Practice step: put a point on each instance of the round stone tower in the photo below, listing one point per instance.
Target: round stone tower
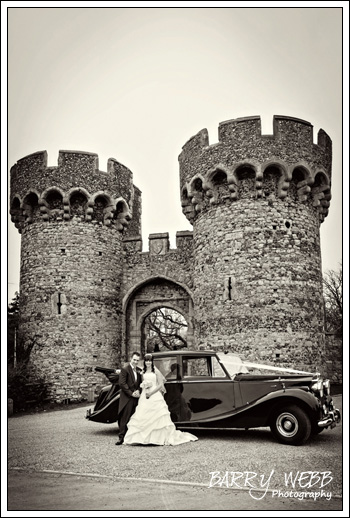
(256, 203)
(71, 218)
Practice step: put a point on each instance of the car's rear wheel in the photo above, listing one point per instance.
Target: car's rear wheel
(291, 425)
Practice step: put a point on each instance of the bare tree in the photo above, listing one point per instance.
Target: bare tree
(24, 385)
(167, 329)
(25, 347)
(333, 296)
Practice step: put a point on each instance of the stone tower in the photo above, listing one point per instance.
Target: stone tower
(256, 203)
(71, 219)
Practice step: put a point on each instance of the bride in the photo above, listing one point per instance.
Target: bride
(151, 422)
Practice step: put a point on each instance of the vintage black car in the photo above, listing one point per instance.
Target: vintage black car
(214, 391)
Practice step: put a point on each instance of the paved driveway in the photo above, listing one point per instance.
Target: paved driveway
(54, 492)
(58, 460)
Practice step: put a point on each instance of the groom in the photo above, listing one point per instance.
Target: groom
(129, 382)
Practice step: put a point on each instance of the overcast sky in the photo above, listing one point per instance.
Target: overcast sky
(136, 83)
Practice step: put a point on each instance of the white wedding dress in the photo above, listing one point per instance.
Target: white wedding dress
(151, 422)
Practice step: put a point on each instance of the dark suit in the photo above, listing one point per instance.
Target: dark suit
(127, 403)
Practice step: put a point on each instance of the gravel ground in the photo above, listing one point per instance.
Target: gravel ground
(66, 441)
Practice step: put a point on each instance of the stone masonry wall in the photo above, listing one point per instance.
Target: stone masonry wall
(70, 297)
(175, 264)
(334, 358)
(255, 282)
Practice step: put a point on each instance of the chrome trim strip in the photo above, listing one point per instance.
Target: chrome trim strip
(210, 380)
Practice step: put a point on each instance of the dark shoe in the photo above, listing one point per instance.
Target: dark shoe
(119, 442)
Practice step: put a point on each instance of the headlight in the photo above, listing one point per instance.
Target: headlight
(327, 387)
(318, 387)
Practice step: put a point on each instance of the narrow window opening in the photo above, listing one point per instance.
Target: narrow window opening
(59, 304)
(100, 253)
(228, 288)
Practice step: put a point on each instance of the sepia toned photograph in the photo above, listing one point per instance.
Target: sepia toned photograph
(174, 258)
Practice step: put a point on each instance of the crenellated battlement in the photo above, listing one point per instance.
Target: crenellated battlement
(246, 163)
(75, 188)
(73, 167)
(159, 244)
(246, 130)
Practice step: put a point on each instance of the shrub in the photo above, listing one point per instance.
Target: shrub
(26, 388)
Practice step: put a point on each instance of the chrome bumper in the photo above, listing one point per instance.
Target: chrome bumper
(331, 420)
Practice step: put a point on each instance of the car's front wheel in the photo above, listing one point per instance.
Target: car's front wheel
(291, 425)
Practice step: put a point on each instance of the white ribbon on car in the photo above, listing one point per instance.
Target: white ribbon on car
(270, 367)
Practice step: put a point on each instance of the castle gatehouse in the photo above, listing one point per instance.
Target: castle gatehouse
(247, 278)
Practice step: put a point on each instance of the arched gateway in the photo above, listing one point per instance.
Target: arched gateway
(144, 298)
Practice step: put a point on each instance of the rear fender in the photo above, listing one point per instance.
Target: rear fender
(108, 413)
(103, 397)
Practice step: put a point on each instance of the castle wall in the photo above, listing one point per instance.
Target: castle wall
(134, 226)
(334, 358)
(161, 260)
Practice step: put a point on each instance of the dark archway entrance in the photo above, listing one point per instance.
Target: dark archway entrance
(148, 296)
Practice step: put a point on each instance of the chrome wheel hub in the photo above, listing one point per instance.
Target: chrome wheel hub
(287, 424)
